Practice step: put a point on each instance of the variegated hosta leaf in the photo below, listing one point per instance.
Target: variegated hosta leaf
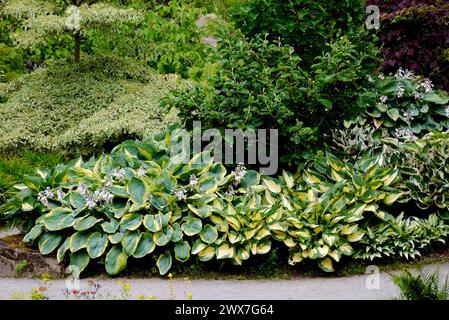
(116, 260)
(164, 262)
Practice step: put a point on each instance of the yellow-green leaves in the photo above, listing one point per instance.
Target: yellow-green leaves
(116, 260)
(131, 221)
(164, 262)
(326, 265)
(182, 251)
(137, 190)
(49, 242)
(97, 244)
(146, 246)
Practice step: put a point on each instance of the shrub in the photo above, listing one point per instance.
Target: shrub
(83, 108)
(414, 35)
(168, 39)
(304, 25)
(261, 85)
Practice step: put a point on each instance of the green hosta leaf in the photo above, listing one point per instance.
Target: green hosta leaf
(58, 219)
(78, 240)
(207, 254)
(138, 192)
(198, 246)
(393, 114)
(163, 237)
(86, 223)
(436, 97)
(146, 245)
(182, 251)
(346, 249)
(80, 260)
(216, 171)
(192, 227)
(392, 198)
(116, 260)
(35, 232)
(209, 234)
(263, 247)
(110, 226)
(225, 252)
(159, 200)
(62, 250)
(251, 178)
(207, 184)
(153, 222)
(326, 265)
(120, 208)
(356, 236)
(177, 233)
(49, 242)
(202, 212)
(116, 237)
(130, 242)
(164, 262)
(131, 221)
(288, 178)
(272, 186)
(97, 244)
(77, 200)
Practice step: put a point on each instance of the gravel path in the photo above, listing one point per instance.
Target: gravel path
(363, 287)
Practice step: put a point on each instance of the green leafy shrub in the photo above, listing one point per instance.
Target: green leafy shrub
(84, 108)
(305, 25)
(405, 104)
(424, 286)
(168, 39)
(261, 85)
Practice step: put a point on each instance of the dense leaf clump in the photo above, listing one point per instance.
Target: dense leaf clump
(100, 102)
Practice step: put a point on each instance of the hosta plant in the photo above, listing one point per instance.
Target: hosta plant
(401, 236)
(405, 104)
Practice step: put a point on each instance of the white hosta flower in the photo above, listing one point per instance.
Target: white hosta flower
(239, 173)
(108, 183)
(193, 181)
(446, 112)
(91, 203)
(405, 133)
(180, 193)
(381, 77)
(408, 115)
(103, 194)
(405, 74)
(142, 171)
(401, 91)
(42, 198)
(418, 96)
(427, 85)
(60, 195)
(82, 189)
(118, 174)
(383, 99)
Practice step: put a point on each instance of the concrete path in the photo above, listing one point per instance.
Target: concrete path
(363, 287)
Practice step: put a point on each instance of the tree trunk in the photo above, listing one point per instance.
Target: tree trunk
(77, 47)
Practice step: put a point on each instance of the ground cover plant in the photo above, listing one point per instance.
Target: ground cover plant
(83, 108)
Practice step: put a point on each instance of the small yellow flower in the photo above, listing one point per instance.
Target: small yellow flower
(141, 297)
(45, 277)
(152, 297)
(170, 275)
(127, 286)
(120, 282)
(189, 295)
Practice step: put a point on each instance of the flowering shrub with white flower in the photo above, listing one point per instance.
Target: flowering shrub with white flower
(405, 104)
